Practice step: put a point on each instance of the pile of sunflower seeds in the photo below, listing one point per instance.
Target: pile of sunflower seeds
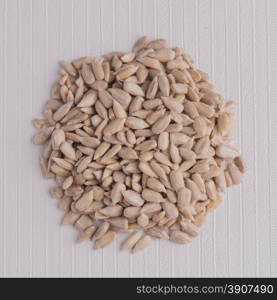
(139, 143)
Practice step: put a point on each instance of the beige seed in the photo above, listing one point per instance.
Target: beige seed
(211, 189)
(116, 63)
(147, 146)
(40, 123)
(119, 222)
(74, 191)
(195, 192)
(163, 54)
(152, 196)
(101, 230)
(121, 96)
(105, 98)
(136, 123)
(177, 64)
(67, 182)
(197, 178)
(176, 179)
(152, 88)
(83, 223)
(97, 69)
(179, 76)
(79, 94)
(132, 239)
(142, 243)
(101, 110)
(112, 152)
(112, 211)
(228, 179)
(203, 109)
(62, 111)
(155, 185)
(57, 138)
(56, 192)
(143, 220)
(84, 164)
(170, 209)
(43, 135)
(173, 104)
(70, 115)
(141, 43)
(178, 138)
(90, 141)
(131, 137)
(151, 63)
(163, 141)
(126, 71)
(116, 193)
(141, 74)
(101, 150)
(88, 100)
(201, 166)
(200, 126)
(118, 110)
(163, 85)
(128, 153)
(179, 88)
(174, 154)
(106, 70)
(161, 124)
(146, 156)
(63, 163)
(224, 124)
(85, 201)
(158, 233)
(240, 163)
(105, 240)
(142, 134)
(155, 116)
(191, 110)
(131, 212)
(189, 228)
(152, 104)
(86, 150)
(200, 219)
(133, 89)
(68, 67)
(49, 116)
(87, 74)
(67, 149)
(214, 204)
(220, 182)
(152, 170)
(149, 208)
(87, 234)
(179, 237)
(193, 95)
(70, 218)
(187, 154)
(183, 197)
(213, 172)
(133, 198)
(202, 145)
(114, 126)
(226, 151)
(235, 174)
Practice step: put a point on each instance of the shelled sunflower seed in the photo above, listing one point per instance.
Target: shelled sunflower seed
(139, 143)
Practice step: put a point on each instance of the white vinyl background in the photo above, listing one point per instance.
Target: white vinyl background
(235, 41)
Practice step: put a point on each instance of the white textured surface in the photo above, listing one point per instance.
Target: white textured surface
(234, 41)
